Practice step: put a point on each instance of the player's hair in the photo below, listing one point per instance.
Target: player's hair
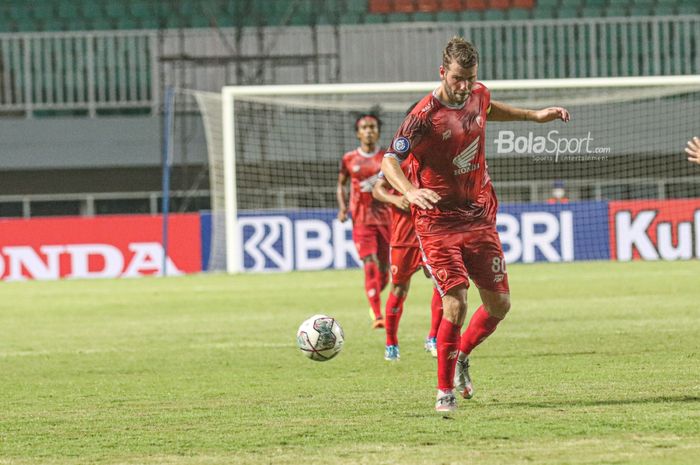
(368, 115)
(460, 51)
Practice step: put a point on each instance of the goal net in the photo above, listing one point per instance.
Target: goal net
(613, 183)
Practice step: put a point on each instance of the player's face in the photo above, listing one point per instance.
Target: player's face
(368, 131)
(457, 82)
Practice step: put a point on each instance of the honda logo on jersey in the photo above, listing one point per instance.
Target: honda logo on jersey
(463, 161)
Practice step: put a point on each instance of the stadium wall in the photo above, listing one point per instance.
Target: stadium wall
(130, 245)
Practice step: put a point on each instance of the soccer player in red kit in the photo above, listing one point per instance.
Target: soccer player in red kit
(405, 261)
(455, 218)
(370, 218)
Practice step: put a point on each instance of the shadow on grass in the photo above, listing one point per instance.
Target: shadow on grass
(606, 402)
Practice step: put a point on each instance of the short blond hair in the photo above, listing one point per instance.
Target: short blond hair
(460, 51)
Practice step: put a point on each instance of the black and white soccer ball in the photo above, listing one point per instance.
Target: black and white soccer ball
(320, 338)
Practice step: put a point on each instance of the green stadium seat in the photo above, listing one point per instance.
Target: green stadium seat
(76, 24)
(544, 12)
(519, 13)
(115, 10)
(423, 16)
(128, 22)
(91, 9)
(494, 15)
(641, 10)
(142, 9)
(547, 4)
(616, 11)
(398, 17)
(43, 10)
(67, 10)
(102, 23)
(567, 12)
(52, 24)
(200, 20)
(350, 18)
(371, 18)
(664, 10)
(592, 11)
(447, 16)
(357, 6)
(688, 9)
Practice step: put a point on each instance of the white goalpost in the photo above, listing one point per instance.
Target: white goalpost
(277, 148)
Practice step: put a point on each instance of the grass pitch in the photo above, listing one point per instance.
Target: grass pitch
(597, 363)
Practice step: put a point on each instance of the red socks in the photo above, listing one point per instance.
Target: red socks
(393, 312)
(447, 342)
(435, 313)
(480, 327)
(372, 287)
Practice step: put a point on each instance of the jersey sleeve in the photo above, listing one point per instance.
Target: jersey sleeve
(408, 137)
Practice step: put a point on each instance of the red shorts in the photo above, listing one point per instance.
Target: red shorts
(455, 257)
(404, 262)
(372, 239)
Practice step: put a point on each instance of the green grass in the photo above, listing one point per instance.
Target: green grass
(597, 363)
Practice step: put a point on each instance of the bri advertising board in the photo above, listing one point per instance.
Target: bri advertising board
(316, 240)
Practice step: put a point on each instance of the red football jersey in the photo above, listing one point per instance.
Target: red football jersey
(448, 144)
(362, 168)
(403, 234)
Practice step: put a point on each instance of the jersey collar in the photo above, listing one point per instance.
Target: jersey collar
(368, 155)
(445, 104)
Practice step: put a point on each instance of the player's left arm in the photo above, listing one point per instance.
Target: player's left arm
(693, 150)
(380, 191)
(500, 111)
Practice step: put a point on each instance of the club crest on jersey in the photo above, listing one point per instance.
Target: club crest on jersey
(463, 161)
(402, 145)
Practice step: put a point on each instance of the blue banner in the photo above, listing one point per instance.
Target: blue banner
(313, 239)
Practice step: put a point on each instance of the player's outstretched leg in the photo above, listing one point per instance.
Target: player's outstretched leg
(482, 324)
(435, 317)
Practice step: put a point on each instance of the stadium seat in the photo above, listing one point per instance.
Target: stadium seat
(423, 16)
(398, 17)
(519, 13)
(356, 6)
(664, 10)
(447, 16)
(371, 18)
(616, 11)
(91, 9)
(688, 9)
(592, 11)
(567, 12)
(142, 9)
(494, 15)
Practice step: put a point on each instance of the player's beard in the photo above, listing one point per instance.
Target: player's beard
(455, 98)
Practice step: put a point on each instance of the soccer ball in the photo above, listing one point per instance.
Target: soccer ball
(320, 338)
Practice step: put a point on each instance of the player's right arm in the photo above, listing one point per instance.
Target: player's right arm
(693, 150)
(422, 198)
(380, 191)
(340, 194)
